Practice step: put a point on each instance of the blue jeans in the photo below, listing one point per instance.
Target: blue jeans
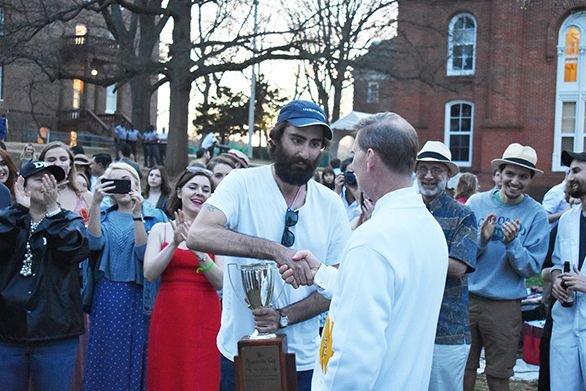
(49, 364)
(227, 376)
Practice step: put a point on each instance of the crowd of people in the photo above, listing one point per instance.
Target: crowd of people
(391, 277)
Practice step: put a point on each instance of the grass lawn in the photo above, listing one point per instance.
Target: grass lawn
(515, 385)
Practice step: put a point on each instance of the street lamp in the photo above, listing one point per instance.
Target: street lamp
(252, 84)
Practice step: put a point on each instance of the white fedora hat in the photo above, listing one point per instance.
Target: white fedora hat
(519, 155)
(438, 152)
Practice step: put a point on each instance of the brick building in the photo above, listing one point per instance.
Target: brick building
(57, 82)
(481, 74)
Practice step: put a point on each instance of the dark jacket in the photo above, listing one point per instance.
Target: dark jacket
(47, 305)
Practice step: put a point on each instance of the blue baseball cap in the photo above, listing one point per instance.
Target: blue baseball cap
(302, 113)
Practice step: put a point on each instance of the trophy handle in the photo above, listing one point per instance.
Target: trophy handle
(280, 284)
(236, 291)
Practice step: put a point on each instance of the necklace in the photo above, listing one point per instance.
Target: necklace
(27, 263)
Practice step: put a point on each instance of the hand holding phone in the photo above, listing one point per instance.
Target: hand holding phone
(121, 186)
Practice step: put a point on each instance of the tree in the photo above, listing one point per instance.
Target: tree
(227, 112)
(220, 42)
(334, 34)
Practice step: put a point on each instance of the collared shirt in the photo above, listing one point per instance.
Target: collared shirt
(386, 299)
(352, 210)
(459, 225)
(120, 132)
(133, 135)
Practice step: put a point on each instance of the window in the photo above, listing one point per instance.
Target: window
(80, 34)
(570, 109)
(111, 99)
(77, 94)
(458, 127)
(461, 45)
(372, 96)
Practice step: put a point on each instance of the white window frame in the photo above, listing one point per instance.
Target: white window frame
(448, 133)
(372, 93)
(451, 71)
(570, 91)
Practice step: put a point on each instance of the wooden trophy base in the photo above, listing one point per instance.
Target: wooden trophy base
(264, 365)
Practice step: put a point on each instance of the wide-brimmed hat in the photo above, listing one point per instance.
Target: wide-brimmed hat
(438, 152)
(36, 166)
(518, 155)
(81, 160)
(302, 113)
(567, 157)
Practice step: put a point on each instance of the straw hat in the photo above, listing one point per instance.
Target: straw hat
(518, 155)
(438, 152)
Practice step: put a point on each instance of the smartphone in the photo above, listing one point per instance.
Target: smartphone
(122, 186)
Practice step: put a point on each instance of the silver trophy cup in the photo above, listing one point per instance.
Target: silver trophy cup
(258, 283)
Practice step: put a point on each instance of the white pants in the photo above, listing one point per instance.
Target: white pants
(566, 361)
(448, 366)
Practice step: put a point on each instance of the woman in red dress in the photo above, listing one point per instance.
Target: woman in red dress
(182, 352)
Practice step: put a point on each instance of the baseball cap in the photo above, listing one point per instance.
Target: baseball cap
(568, 156)
(302, 113)
(36, 166)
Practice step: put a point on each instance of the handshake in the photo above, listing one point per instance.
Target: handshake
(300, 268)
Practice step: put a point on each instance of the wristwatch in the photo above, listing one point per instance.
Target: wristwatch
(284, 320)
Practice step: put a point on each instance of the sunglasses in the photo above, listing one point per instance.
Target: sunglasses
(291, 218)
(199, 170)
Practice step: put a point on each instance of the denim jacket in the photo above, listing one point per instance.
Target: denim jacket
(151, 217)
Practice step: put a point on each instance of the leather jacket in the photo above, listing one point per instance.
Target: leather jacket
(46, 305)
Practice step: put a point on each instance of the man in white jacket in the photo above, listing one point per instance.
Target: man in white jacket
(386, 296)
(568, 339)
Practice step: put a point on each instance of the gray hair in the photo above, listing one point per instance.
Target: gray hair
(392, 137)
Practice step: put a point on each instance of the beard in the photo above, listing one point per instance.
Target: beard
(435, 191)
(575, 189)
(286, 169)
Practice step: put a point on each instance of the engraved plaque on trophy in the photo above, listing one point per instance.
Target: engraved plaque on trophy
(263, 363)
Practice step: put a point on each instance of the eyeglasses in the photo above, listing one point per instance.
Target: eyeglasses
(435, 171)
(199, 170)
(291, 218)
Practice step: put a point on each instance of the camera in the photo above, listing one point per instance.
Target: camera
(350, 178)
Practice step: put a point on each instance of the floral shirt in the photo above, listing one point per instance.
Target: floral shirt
(459, 225)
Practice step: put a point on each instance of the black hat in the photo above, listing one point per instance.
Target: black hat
(567, 157)
(36, 166)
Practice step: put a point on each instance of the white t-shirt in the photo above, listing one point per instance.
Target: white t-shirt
(253, 205)
(387, 296)
(209, 140)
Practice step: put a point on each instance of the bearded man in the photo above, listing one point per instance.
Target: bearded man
(270, 212)
(568, 343)
(452, 339)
